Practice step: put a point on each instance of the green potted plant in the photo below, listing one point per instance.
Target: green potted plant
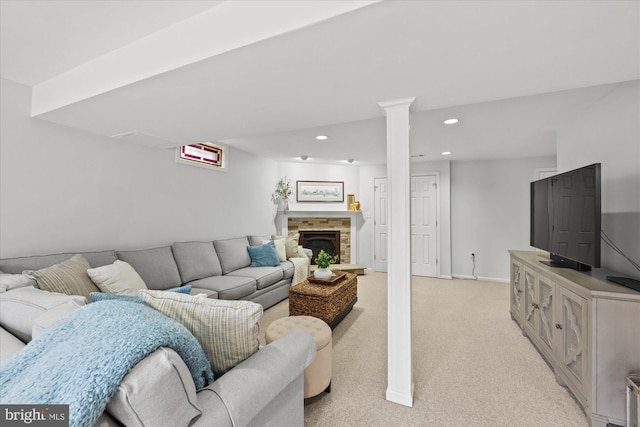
(323, 260)
(282, 192)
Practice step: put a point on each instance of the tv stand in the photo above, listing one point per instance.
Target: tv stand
(586, 329)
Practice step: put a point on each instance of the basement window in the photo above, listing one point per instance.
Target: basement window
(204, 154)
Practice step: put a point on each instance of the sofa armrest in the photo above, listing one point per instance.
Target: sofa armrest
(250, 386)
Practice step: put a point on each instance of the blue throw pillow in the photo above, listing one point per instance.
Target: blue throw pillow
(263, 256)
(103, 296)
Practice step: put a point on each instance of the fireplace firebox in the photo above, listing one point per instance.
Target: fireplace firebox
(317, 240)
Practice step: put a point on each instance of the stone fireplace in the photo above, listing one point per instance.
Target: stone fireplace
(322, 221)
(341, 225)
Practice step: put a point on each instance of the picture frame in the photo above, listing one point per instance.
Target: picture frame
(320, 191)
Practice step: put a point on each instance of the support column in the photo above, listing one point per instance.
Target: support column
(400, 360)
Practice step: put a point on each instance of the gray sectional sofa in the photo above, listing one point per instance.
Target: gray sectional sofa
(265, 389)
(220, 269)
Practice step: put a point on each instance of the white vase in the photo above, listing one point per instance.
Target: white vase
(322, 274)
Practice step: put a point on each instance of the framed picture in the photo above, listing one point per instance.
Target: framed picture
(320, 191)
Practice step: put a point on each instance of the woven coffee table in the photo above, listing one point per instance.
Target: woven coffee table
(329, 302)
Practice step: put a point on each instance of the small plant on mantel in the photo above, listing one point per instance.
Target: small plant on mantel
(282, 192)
(324, 260)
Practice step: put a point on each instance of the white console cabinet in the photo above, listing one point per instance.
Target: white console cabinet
(586, 328)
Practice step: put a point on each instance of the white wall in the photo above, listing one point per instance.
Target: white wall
(307, 171)
(66, 190)
(609, 133)
(490, 213)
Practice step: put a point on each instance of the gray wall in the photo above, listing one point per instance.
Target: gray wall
(66, 190)
(490, 213)
(608, 132)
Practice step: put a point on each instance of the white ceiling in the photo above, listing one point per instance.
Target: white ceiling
(513, 72)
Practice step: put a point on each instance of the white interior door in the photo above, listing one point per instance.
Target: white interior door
(381, 226)
(423, 225)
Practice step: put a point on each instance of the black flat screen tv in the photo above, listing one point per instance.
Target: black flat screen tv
(565, 218)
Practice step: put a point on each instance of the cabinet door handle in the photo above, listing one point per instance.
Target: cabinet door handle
(558, 326)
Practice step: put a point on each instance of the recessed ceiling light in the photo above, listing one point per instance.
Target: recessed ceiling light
(451, 121)
(304, 157)
(446, 153)
(322, 137)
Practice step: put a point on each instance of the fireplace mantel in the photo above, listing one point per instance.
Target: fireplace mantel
(282, 226)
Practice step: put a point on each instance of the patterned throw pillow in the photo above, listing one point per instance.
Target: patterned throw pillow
(69, 277)
(117, 278)
(227, 330)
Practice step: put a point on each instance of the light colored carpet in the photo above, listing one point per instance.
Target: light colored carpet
(471, 364)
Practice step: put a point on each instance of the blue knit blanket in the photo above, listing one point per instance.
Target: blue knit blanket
(81, 362)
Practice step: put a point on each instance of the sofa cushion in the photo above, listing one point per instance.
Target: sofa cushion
(233, 253)
(196, 260)
(52, 317)
(117, 278)
(19, 308)
(156, 266)
(263, 256)
(69, 277)
(227, 287)
(19, 264)
(258, 240)
(159, 391)
(264, 276)
(227, 330)
(13, 281)
(10, 345)
(287, 269)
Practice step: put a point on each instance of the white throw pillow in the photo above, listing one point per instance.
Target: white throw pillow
(117, 278)
(227, 330)
(13, 281)
(280, 248)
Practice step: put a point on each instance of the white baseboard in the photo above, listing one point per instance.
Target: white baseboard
(400, 398)
(484, 279)
(445, 277)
